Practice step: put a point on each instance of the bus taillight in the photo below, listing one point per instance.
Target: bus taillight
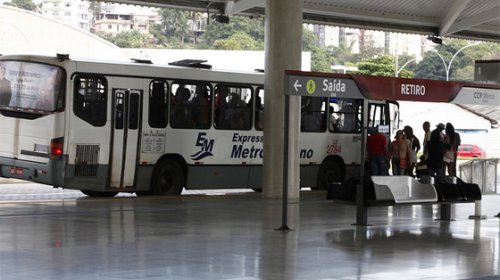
(56, 148)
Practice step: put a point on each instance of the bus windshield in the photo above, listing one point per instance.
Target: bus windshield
(27, 87)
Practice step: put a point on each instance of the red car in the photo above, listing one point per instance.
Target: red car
(469, 150)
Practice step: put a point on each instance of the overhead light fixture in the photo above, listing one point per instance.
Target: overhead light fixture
(435, 40)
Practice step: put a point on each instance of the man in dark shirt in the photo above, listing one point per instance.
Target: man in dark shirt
(376, 148)
(436, 148)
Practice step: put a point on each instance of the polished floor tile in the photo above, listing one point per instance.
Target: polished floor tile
(235, 237)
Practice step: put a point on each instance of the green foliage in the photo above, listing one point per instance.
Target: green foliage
(237, 24)
(382, 65)
(22, 4)
(130, 39)
(342, 54)
(237, 41)
(244, 33)
(462, 67)
(320, 57)
(226, 44)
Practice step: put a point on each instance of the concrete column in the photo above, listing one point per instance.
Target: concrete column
(283, 51)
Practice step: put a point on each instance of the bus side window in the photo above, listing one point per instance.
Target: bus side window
(90, 100)
(233, 107)
(348, 115)
(313, 114)
(190, 106)
(157, 116)
(202, 106)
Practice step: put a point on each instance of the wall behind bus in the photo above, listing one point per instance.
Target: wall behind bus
(25, 32)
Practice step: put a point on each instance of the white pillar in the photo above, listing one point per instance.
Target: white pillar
(283, 51)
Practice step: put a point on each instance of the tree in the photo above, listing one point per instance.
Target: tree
(381, 65)
(432, 67)
(237, 24)
(237, 41)
(22, 4)
(320, 58)
(342, 54)
(129, 39)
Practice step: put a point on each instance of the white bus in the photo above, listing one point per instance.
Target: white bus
(105, 128)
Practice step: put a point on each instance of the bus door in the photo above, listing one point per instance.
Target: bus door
(125, 111)
(384, 115)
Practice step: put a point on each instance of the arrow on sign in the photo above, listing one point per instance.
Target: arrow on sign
(296, 85)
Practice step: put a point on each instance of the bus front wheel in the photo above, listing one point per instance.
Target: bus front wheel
(329, 173)
(168, 178)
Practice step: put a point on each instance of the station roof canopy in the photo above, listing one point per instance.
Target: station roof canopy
(468, 19)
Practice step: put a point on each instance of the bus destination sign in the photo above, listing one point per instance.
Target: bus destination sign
(322, 87)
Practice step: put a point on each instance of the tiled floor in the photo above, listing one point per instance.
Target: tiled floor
(234, 237)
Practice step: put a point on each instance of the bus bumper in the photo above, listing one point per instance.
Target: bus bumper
(51, 173)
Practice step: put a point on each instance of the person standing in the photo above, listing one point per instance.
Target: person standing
(435, 148)
(451, 146)
(414, 145)
(399, 152)
(376, 148)
(427, 136)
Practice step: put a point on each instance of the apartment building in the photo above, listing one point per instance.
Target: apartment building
(117, 18)
(74, 13)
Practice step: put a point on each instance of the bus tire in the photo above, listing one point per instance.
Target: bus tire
(98, 194)
(329, 172)
(168, 178)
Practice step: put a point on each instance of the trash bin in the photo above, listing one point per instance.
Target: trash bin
(482, 172)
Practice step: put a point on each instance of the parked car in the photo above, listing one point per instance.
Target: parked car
(470, 150)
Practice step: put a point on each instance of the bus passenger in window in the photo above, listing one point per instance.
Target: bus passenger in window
(259, 112)
(236, 112)
(201, 107)
(332, 120)
(220, 107)
(182, 113)
(311, 114)
(347, 122)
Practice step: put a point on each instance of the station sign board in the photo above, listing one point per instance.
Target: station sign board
(313, 86)
(478, 96)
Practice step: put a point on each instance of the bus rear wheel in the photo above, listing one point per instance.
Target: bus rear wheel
(98, 194)
(168, 178)
(329, 173)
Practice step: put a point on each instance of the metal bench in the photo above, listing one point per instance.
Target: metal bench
(403, 189)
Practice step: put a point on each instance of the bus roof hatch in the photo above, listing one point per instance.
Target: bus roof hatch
(195, 63)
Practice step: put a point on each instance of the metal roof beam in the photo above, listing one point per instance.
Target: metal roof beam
(234, 7)
(467, 23)
(452, 15)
